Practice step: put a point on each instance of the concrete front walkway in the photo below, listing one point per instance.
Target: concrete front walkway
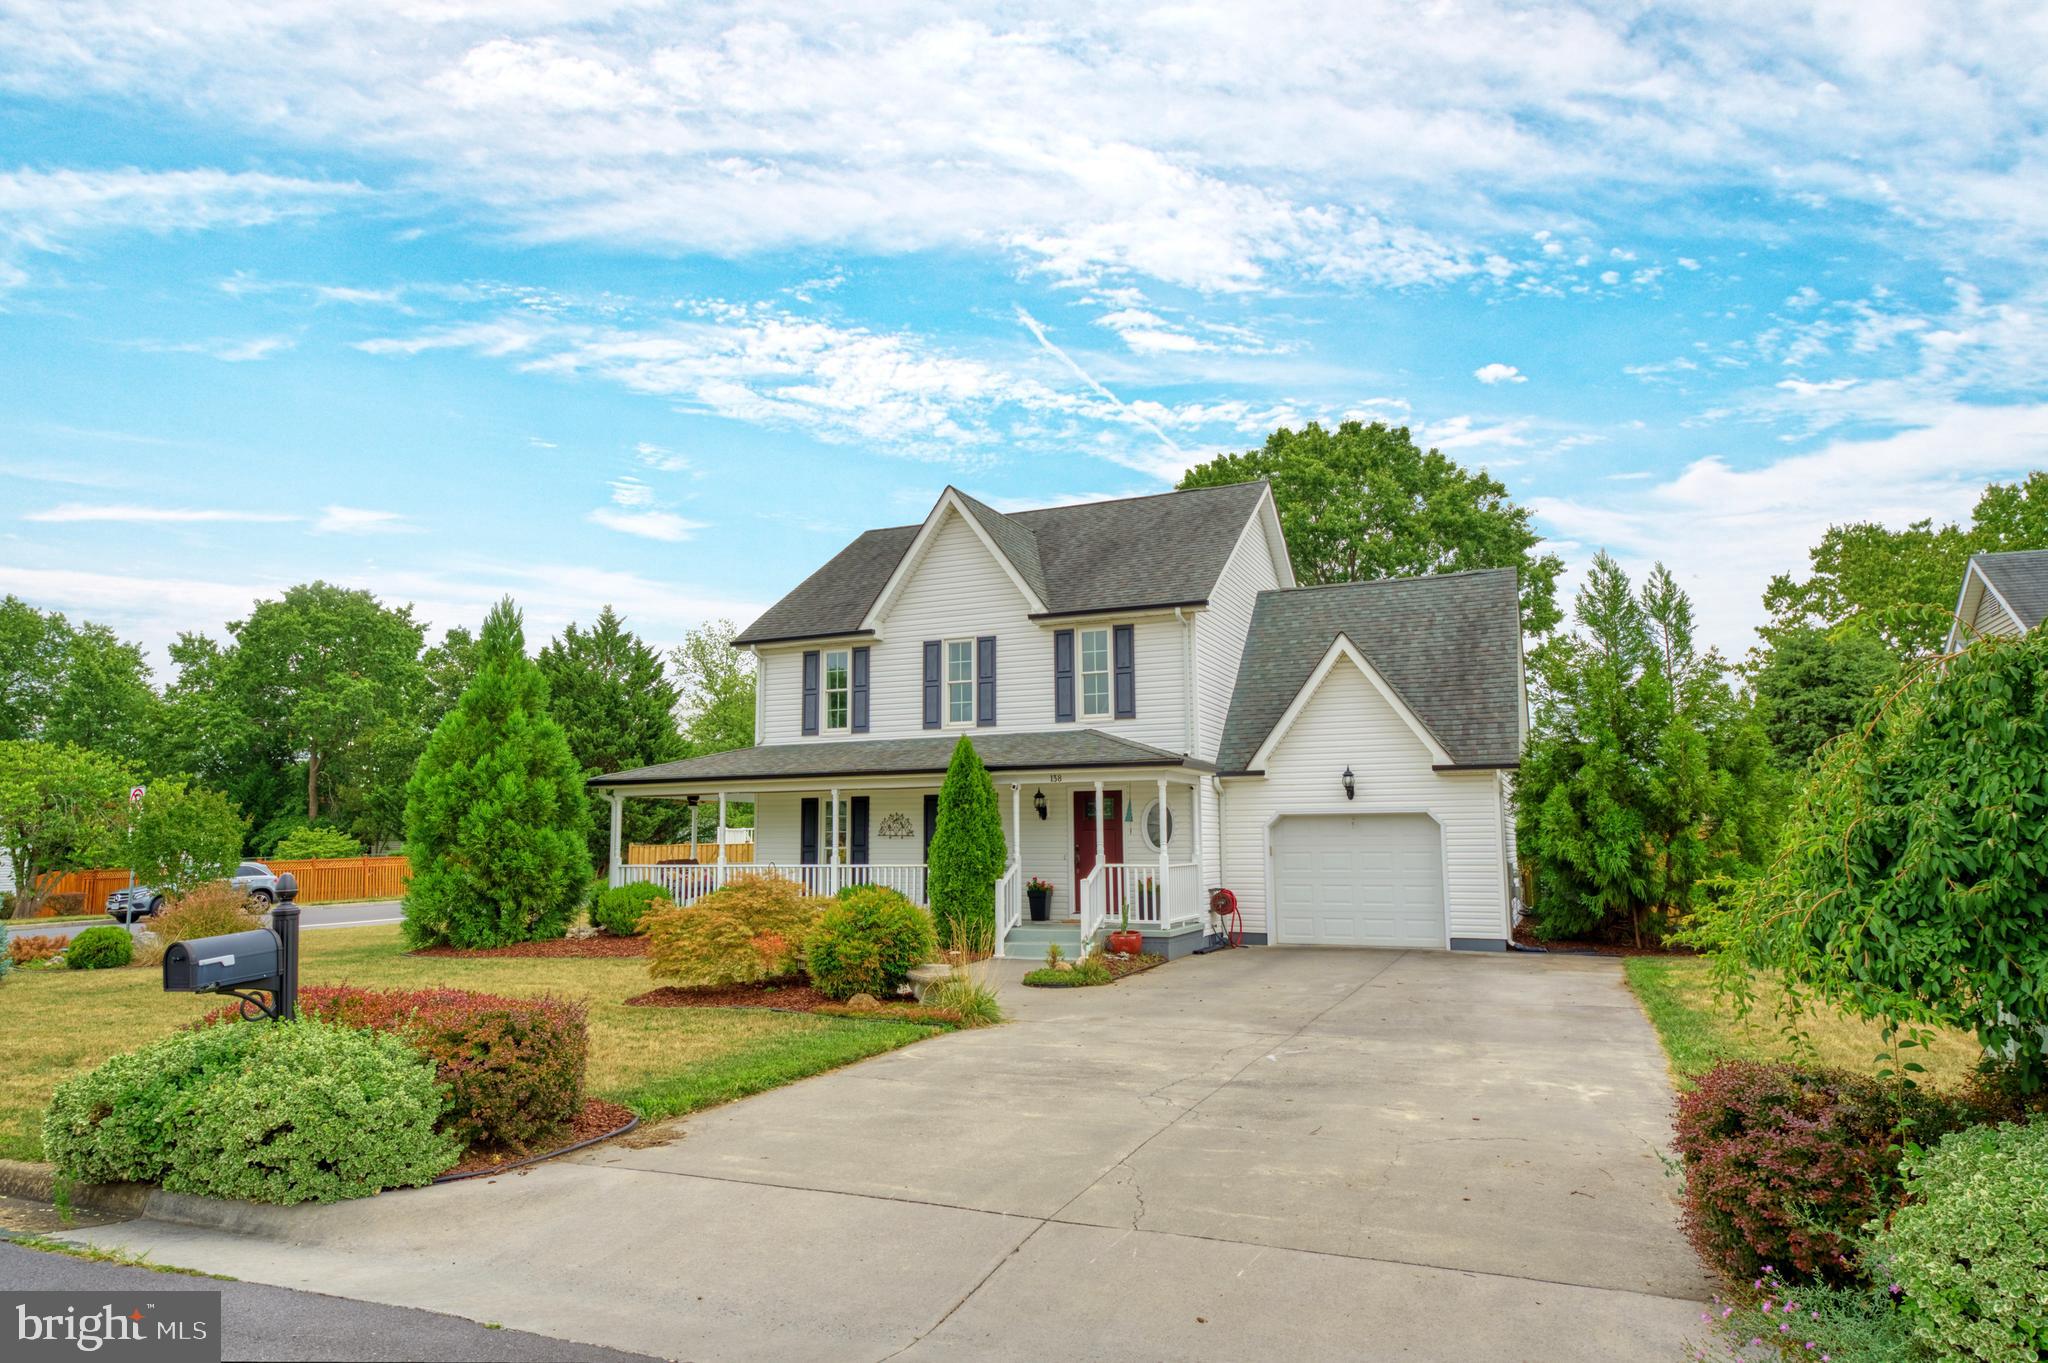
(1272, 1153)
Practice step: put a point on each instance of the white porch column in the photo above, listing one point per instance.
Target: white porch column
(1101, 874)
(718, 875)
(1165, 813)
(832, 861)
(1016, 824)
(1195, 835)
(617, 872)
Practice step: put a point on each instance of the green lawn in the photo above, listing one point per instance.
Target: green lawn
(1698, 1029)
(660, 1062)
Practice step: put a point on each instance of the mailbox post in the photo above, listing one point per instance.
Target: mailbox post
(245, 965)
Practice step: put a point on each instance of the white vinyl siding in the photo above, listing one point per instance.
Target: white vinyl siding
(959, 591)
(960, 681)
(1220, 631)
(1992, 618)
(1347, 723)
(1095, 679)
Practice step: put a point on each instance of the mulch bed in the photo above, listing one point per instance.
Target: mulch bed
(787, 997)
(584, 947)
(597, 1121)
(1526, 938)
(1120, 966)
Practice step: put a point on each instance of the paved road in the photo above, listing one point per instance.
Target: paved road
(1279, 1153)
(260, 1322)
(310, 916)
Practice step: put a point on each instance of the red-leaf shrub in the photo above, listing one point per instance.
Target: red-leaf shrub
(514, 1067)
(1784, 1166)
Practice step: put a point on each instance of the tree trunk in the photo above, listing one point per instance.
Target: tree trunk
(312, 785)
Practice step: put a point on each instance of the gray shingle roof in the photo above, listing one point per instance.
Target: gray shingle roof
(1077, 558)
(2021, 577)
(1449, 644)
(1065, 748)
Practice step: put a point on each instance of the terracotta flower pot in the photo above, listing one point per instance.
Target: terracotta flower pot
(1127, 941)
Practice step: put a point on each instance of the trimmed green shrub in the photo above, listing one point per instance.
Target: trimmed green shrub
(967, 853)
(1970, 1246)
(1784, 1166)
(100, 948)
(618, 911)
(313, 842)
(867, 943)
(513, 1068)
(496, 821)
(116, 1122)
(313, 1113)
(698, 947)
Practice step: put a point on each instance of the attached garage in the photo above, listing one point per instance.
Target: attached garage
(1358, 880)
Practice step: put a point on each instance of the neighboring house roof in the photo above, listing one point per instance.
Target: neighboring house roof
(904, 756)
(2020, 577)
(1137, 552)
(1449, 645)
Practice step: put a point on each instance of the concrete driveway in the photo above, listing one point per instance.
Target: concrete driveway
(1270, 1153)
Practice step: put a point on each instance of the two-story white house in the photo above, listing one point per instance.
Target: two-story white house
(1164, 713)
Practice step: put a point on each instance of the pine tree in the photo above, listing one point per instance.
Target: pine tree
(496, 823)
(967, 853)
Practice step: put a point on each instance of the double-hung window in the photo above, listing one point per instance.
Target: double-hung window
(838, 691)
(960, 681)
(1095, 688)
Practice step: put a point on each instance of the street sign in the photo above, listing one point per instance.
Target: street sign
(135, 794)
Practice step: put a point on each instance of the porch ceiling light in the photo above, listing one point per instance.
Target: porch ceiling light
(1350, 785)
(692, 799)
(1038, 803)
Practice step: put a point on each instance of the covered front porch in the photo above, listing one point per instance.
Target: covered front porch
(1121, 842)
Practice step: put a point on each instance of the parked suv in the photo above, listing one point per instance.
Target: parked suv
(139, 901)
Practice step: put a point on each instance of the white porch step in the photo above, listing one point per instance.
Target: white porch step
(1031, 939)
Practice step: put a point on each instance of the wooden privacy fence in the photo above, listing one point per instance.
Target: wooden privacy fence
(322, 880)
(649, 853)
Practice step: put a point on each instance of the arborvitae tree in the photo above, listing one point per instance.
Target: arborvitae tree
(967, 852)
(496, 824)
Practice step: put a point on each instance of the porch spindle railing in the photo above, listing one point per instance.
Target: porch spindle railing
(687, 883)
(1009, 904)
(1090, 902)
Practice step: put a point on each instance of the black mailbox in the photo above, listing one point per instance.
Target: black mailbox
(238, 960)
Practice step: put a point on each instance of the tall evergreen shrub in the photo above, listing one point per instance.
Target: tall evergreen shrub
(496, 823)
(967, 853)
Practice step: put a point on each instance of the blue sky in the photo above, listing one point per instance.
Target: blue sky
(659, 305)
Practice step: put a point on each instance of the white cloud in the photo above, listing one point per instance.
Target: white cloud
(356, 520)
(653, 525)
(1467, 433)
(660, 459)
(1499, 373)
(74, 513)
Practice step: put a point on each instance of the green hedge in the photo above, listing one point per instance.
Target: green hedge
(100, 948)
(867, 943)
(618, 911)
(271, 1112)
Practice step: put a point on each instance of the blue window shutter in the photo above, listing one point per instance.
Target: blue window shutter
(985, 680)
(859, 688)
(1126, 681)
(932, 649)
(857, 831)
(811, 692)
(1063, 676)
(808, 821)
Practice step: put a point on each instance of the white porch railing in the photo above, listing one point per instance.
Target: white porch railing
(1090, 902)
(1009, 904)
(1185, 902)
(685, 884)
(1133, 889)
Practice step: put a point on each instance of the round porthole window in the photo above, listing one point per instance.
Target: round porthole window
(1152, 813)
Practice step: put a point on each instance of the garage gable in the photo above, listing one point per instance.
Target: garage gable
(1343, 653)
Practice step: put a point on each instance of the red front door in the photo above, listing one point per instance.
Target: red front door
(1084, 831)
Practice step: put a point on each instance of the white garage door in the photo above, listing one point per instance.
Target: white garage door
(1359, 880)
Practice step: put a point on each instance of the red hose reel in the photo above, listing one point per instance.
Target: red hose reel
(1229, 922)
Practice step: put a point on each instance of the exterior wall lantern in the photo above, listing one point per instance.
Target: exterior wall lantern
(1350, 785)
(1038, 803)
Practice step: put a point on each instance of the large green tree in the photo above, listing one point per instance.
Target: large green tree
(609, 692)
(1645, 772)
(496, 823)
(1365, 501)
(968, 852)
(181, 836)
(1913, 883)
(1901, 584)
(1815, 684)
(206, 732)
(715, 689)
(328, 673)
(61, 809)
(79, 684)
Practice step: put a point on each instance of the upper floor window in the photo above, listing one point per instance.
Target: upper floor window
(960, 681)
(838, 691)
(1095, 674)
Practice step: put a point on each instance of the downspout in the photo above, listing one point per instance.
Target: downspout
(1190, 736)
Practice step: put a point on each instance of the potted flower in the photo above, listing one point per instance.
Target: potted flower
(1123, 939)
(1039, 892)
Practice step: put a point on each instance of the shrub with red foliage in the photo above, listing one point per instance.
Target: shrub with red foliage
(1784, 1166)
(514, 1067)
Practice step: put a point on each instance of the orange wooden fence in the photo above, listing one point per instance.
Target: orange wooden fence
(648, 853)
(323, 880)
